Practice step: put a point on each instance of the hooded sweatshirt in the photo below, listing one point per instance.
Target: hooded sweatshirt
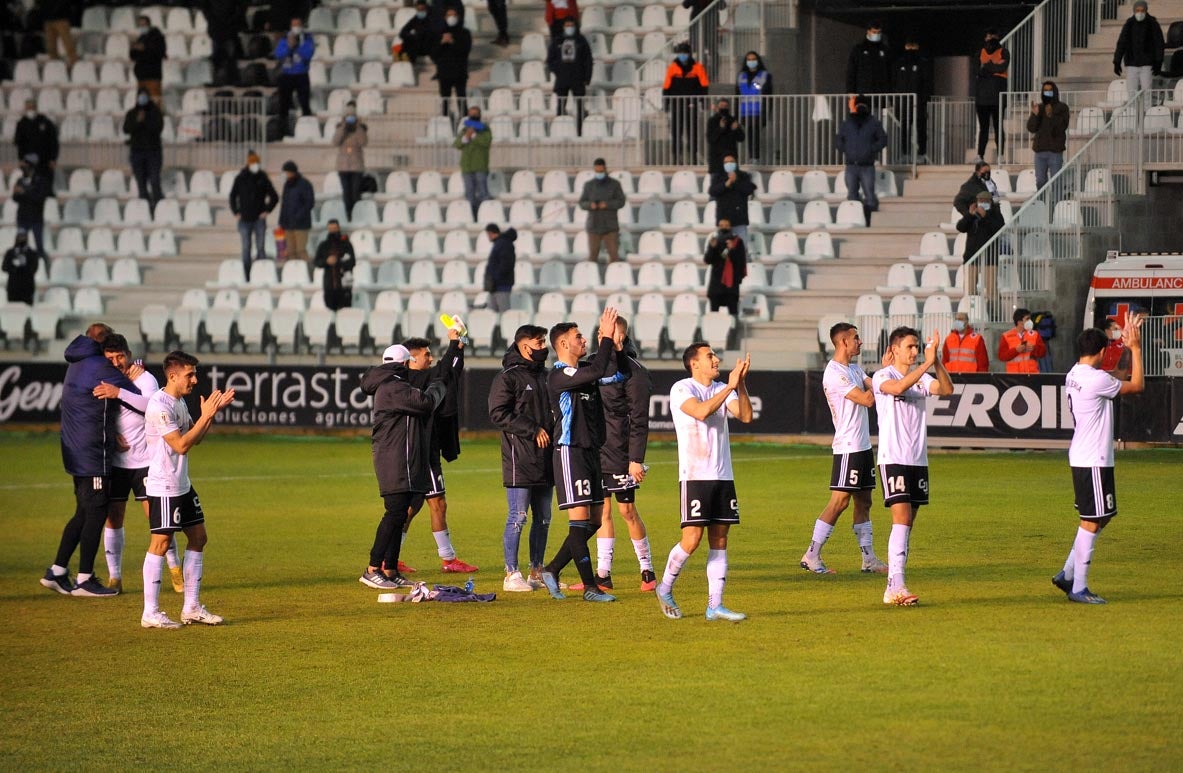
(1140, 43)
(89, 425)
(400, 418)
(626, 416)
(519, 407)
(1049, 133)
(860, 138)
(444, 427)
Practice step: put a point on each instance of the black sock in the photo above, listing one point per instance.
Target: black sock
(561, 559)
(581, 532)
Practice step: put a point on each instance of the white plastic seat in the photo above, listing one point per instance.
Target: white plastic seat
(125, 272)
(901, 277)
(586, 275)
(817, 215)
(425, 243)
(935, 278)
(393, 244)
(787, 276)
(685, 276)
(818, 245)
(850, 215)
(685, 244)
(784, 245)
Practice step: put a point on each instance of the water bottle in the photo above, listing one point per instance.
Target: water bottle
(468, 586)
(453, 322)
(645, 468)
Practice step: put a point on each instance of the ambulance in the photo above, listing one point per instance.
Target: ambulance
(1147, 282)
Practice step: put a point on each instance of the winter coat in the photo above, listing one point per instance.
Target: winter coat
(992, 76)
(400, 418)
(519, 407)
(444, 429)
(570, 59)
(608, 190)
(1049, 134)
(225, 18)
(474, 154)
(868, 69)
(1140, 44)
(451, 59)
(912, 74)
(351, 156)
(861, 140)
(731, 201)
(20, 263)
(338, 278)
(968, 192)
(281, 12)
(499, 270)
(722, 140)
(89, 425)
(715, 257)
(55, 10)
(295, 60)
(37, 135)
(252, 195)
(144, 134)
(30, 198)
(149, 61)
(295, 211)
(626, 417)
(418, 36)
(685, 80)
(979, 230)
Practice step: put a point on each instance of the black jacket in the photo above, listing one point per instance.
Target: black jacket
(295, 211)
(715, 257)
(37, 135)
(868, 69)
(55, 10)
(30, 194)
(722, 140)
(338, 278)
(225, 18)
(399, 437)
(912, 74)
(570, 59)
(149, 60)
(979, 230)
(731, 202)
(1140, 44)
(990, 82)
(443, 432)
(281, 12)
(860, 139)
(519, 407)
(144, 134)
(499, 270)
(969, 191)
(20, 263)
(575, 397)
(1049, 133)
(626, 416)
(451, 59)
(89, 425)
(252, 195)
(418, 35)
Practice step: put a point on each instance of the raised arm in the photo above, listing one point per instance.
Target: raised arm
(742, 408)
(1132, 335)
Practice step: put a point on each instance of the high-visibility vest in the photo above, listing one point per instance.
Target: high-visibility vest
(963, 352)
(750, 92)
(1023, 362)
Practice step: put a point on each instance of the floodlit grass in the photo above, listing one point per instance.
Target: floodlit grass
(994, 670)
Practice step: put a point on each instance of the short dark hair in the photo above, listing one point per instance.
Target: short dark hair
(839, 329)
(900, 333)
(1111, 322)
(622, 323)
(560, 330)
(692, 352)
(493, 228)
(1019, 314)
(333, 221)
(875, 24)
(143, 17)
(98, 332)
(993, 31)
(978, 165)
(528, 333)
(1091, 342)
(600, 162)
(417, 343)
(116, 343)
(178, 359)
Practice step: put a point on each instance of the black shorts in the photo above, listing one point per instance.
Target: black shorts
(92, 493)
(621, 485)
(1096, 492)
(125, 481)
(709, 501)
(577, 477)
(904, 484)
(436, 491)
(853, 472)
(168, 514)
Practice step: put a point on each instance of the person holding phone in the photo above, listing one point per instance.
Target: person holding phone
(728, 258)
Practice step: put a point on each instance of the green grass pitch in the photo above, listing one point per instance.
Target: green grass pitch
(995, 669)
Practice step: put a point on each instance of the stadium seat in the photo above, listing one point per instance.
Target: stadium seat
(901, 277)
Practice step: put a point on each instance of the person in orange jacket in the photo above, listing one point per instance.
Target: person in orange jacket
(1021, 346)
(964, 350)
(686, 81)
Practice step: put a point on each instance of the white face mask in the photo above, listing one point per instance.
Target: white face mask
(958, 325)
(1140, 16)
(1028, 325)
(874, 37)
(730, 166)
(1115, 335)
(254, 168)
(453, 21)
(30, 114)
(297, 30)
(984, 206)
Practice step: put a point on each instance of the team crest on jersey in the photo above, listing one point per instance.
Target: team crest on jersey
(164, 417)
(569, 371)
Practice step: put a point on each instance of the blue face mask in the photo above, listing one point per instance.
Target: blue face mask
(683, 58)
(569, 31)
(142, 100)
(753, 64)
(420, 15)
(601, 175)
(730, 166)
(959, 326)
(1049, 94)
(351, 119)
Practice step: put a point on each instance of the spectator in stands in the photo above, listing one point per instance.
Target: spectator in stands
(993, 66)
(752, 85)
(439, 14)
(964, 350)
(913, 75)
(570, 59)
(29, 193)
(499, 269)
(37, 134)
(728, 258)
(335, 256)
(55, 16)
(294, 53)
(868, 68)
(602, 197)
(1048, 125)
(731, 189)
(143, 126)
(557, 12)
(295, 211)
(251, 199)
(1021, 346)
(685, 85)
(979, 181)
(979, 224)
(450, 55)
(500, 12)
(1116, 359)
(350, 138)
(697, 8)
(417, 35)
(724, 134)
(280, 14)
(225, 19)
(860, 139)
(20, 263)
(148, 52)
(1140, 48)
(473, 142)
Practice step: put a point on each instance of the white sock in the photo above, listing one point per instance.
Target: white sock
(1070, 564)
(1082, 551)
(821, 533)
(644, 554)
(171, 554)
(716, 576)
(113, 549)
(605, 548)
(866, 541)
(403, 539)
(673, 567)
(443, 544)
(59, 571)
(83, 577)
(193, 560)
(152, 566)
(897, 554)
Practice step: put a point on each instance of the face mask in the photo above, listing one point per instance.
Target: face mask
(601, 175)
(959, 326)
(1115, 335)
(23, 242)
(724, 233)
(1140, 16)
(420, 15)
(992, 45)
(985, 206)
(875, 37)
(1028, 325)
(254, 168)
(30, 114)
(539, 355)
(753, 64)
(984, 175)
(144, 30)
(351, 119)
(142, 100)
(1049, 94)
(862, 110)
(569, 31)
(453, 21)
(683, 58)
(334, 234)
(297, 30)
(730, 166)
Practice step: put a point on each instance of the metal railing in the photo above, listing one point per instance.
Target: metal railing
(1045, 38)
(952, 130)
(1162, 346)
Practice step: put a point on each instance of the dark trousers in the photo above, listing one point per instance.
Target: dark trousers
(350, 190)
(730, 301)
(338, 298)
(145, 167)
(752, 126)
(36, 229)
(388, 538)
(224, 59)
(459, 86)
(21, 292)
(578, 91)
(287, 85)
(684, 131)
(988, 114)
(84, 530)
(500, 14)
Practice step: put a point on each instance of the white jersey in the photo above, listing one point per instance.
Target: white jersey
(903, 421)
(168, 471)
(704, 447)
(852, 425)
(131, 423)
(1090, 398)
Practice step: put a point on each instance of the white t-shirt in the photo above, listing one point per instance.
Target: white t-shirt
(704, 447)
(131, 423)
(1090, 398)
(168, 471)
(852, 425)
(903, 422)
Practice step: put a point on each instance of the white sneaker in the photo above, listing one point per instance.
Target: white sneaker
(874, 566)
(158, 620)
(535, 579)
(815, 565)
(202, 615)
(515, 583)
(900, 597)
